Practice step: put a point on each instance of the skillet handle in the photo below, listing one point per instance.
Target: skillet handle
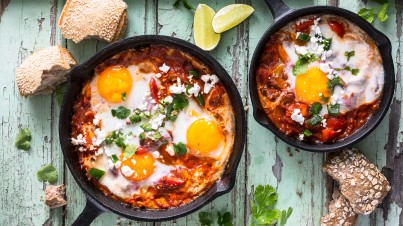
(277, 8)
(90, 212)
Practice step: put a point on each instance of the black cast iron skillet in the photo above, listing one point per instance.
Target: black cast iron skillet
(97, 202)
(283, 15)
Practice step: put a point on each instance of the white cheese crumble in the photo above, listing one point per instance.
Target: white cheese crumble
(158, 75)
(301, 136)
(96, 120)
(157, 121)
(327, 67)
(127, 171)
(155, 154)
(164, 68)
(118, 164)
(209, 82)
(80, 140)
(99, 137)
(168, 99)
(170, 150)
(194, 90)
(297, 116)
(99, 152)
(177, 88)
(324, 124)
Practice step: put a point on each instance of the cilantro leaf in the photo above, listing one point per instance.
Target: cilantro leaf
(333, 109)
(224, 220)
(180, 148)
(355, 71)
(180, 102)
(120, 112)
(335, 82)
(284, 215)
(307, 133)
(23, 140)
(265, 196)
(206, 218)
(315, 108)
(367, 14)
(301, 66)
(314, 120)
(382, 14)
(47, 173)
(349, 54)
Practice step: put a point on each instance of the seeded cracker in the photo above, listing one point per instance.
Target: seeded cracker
(340, 212)
(360, 180)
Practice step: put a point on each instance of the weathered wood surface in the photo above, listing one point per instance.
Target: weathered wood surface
(27, 25)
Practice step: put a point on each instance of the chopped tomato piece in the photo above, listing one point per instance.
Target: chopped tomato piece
(154, 89)
(327, 134)
(337, 27)
(304, 26)
(335, 123)
(141, 149)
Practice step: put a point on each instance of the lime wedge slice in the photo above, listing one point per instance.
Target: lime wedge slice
(230, 16)
(203, 32)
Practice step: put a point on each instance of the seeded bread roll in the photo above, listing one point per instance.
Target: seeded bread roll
(41, 72)
(101, 19)
(340, 212)
(360, 180)
(54, 196)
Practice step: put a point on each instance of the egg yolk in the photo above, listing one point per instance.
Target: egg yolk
(113, 82)
(141, 164)
(312, 86)
(203, 136)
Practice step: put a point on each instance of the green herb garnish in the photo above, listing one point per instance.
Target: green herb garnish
(314, 120)
(304, 37)
(96, 173)
(262, 206)
(200, 100)
(129, 150)
(349, 54)
(382, 14)
(120, 112)
(335, 82)
(367, 14)
(135, 118)
(142, 136)
(180, 148)
(307, 133)
(180, 102)
(355, 71)
(301, 66)
(23, 140)
(146, 127)
(47, 173)
(155, 136)
(114, 158)
(315, 108)
(194, 73)
(120, 142)
(333, 109)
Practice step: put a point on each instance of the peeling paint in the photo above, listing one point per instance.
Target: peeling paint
(277, 167)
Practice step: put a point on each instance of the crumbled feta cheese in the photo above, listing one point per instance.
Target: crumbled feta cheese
(99, 152)
(158, 75)
(99, 137)
(324, 124)
(96, 120)
(111, 164)
(155, 154)
(330, 76)
(194, 90)
(170, 150)
(119, 126)
(327, 67)
(127, 171)
(157, 121)
(168, 99)
(118, 164)
(143, 106)
(297, 116)
(209, 82)
(177, 88)
(164, 68)
(301, 136)
(301, 49)
(334, 98)
(80, 140)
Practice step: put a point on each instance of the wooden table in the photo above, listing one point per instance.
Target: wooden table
(28, 25)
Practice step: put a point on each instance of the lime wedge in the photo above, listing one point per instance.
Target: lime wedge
(203, 32)
(230, 16)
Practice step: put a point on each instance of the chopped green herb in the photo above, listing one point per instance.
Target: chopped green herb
(120, 142)
(224, 219)
(23, 140)
(304, 37)
(114, 158)
(315, 108)
(146, 127)
(142, 136)
(108, 140)
(47, 173)
(301, 66)
(129, 150)
(135, 118)
(121, 112)
(333, 109)
(335, 82)
(185, 4)
(367, 14)
(96, 173)
(355, 71)
(349, 54)
(180, 102)
(206, 218)
(284, 215)
(144, 115)
(180, 148)
(382, 14)
(194, 73)
(155, 136)
(324, 99)
(200, 100)
(262, 207)
(314, 120)
(307, 133)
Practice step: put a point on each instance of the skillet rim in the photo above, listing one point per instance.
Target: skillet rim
(81, 74)
(381, 41)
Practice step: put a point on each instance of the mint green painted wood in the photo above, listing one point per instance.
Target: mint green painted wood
(296, 174)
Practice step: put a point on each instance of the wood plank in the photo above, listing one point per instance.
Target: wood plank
(28, 26)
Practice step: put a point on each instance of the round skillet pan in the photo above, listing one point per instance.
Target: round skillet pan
(97, 202)
(282, 16)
